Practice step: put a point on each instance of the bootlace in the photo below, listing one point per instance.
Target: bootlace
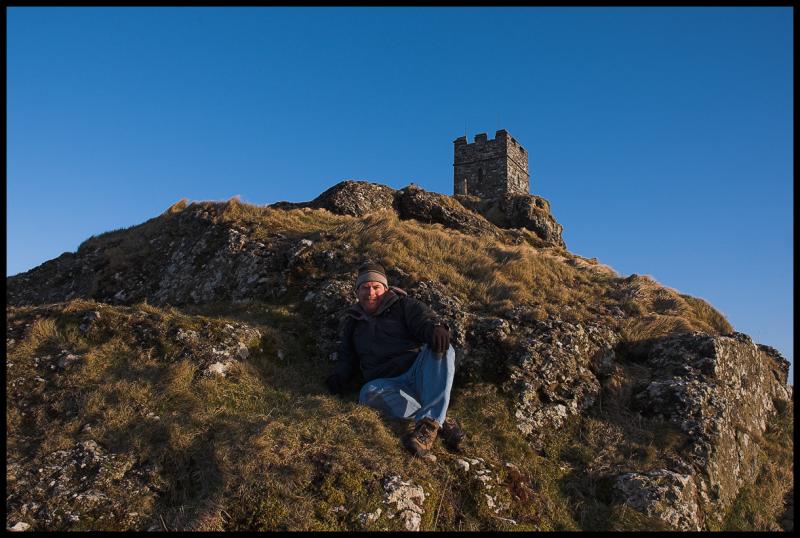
(424, 433)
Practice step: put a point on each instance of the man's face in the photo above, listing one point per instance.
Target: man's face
(369, 296)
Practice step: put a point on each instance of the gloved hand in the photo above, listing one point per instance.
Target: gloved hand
(334, 383)
(441, 339)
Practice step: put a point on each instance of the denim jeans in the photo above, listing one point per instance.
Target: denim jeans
(422, 391)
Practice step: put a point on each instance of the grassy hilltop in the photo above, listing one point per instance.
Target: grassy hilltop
(159, 409)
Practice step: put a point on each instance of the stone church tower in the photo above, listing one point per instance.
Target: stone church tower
(490, 168)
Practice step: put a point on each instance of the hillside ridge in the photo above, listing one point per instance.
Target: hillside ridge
(577, 385)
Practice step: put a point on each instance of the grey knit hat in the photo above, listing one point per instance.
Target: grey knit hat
(371, 272)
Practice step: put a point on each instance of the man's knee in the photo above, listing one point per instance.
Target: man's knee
(448, 356)
(368, 392)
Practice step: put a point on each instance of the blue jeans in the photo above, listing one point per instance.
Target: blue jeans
(422, 391)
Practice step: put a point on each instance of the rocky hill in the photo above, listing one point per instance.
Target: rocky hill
(169, 376)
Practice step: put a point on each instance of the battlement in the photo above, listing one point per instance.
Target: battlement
(490, 167)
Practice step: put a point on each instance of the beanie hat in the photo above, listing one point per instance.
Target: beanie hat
(371, 272)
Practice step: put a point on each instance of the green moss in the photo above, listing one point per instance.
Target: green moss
(268, 513)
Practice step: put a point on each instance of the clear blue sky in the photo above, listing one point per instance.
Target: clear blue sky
(661, 136)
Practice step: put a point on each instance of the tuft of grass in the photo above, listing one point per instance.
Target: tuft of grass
(648, 326)
(261, 222)
(41, 335)
(706, 314)
(655, 310)
(177, 207)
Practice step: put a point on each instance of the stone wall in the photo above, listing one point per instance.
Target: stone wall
(518, 177)
(490, 167)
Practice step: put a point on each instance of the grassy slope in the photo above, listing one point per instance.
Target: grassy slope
(267, 448)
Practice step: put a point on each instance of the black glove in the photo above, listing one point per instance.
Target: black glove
(441, 339)
(334, 384)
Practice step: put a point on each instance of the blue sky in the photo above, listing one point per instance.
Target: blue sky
(661, 136)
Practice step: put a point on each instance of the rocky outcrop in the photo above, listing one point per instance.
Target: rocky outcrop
(188, 258)
(472, 215)
(415, 203)
(518, 211)
(663, 494)
(355, 198)
(552, 375)
(359, 198)
(194, 256)
(720, 391)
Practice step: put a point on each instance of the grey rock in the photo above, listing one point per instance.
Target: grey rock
(356, 198)
(663, 494)
(462, 465)
(415, 203)
(721, 392)
(552, 382)
(367, 518)
(511, 211)
(218, 369)
(405, 500)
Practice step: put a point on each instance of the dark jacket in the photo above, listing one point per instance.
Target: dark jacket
(386, 343)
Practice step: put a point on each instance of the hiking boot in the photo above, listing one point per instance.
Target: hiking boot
(421, 440)
(452, 434)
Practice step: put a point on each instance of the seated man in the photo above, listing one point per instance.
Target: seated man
(404, 353)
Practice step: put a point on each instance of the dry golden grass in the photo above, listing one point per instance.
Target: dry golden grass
(261, 221)
(266, 448)
(708, 315)
(479, 270)
(491, 274)
(42, 333)
(655, 311)
(653, 326)
(177, 207)
(486, 272)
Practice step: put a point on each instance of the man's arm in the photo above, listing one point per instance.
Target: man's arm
(422, 321)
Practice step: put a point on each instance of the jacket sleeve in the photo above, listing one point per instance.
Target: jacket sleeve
(421, 319)
(346, 358)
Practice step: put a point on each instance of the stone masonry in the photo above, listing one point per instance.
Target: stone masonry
(490, 168)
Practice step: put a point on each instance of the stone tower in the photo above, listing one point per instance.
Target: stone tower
(490, 168)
